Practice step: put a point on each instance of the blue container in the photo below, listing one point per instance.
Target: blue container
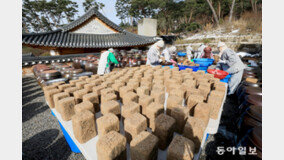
(203, 62)
(52, 113)
(70, 142)
(204, 68)
(183, 67)
(226, 79)
(181, 54)
(171, 66)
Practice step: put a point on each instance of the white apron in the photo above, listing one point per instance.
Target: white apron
(103, 63)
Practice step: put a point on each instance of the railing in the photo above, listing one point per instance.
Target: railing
(29, 60)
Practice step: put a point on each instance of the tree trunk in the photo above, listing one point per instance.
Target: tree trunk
(231, 11)
(214, 13)
(219, 9)
(253, 5)
(190, 16)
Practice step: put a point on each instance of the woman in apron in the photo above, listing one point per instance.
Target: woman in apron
(231, 63)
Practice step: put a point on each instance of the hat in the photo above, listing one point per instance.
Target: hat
(221, 44)
(111, 50)
(172, 49)
(207, 49)
(160, 43)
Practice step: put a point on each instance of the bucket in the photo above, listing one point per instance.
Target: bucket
(226, 79)
(203, 61)
(183, 67)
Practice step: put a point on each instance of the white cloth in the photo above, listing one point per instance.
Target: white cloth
(167, 52)
(153, 56)
(160, 43)
(189, 52)
(221, 44)
(200, 51)
(234, 82)
(103, 63)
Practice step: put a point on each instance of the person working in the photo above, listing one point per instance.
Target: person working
(154, 52)
(231, 63)
(207, 53)
(167, 53)
(189, 52)
(104, 62)
(200, 51)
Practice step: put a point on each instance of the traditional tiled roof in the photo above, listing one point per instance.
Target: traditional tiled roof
(63, 38)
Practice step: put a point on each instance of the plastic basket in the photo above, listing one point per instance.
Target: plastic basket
(203, 61)
(218, 73)
(181, 54)
(183, 67)
(226, 79)
(204, 68)
(171, 66)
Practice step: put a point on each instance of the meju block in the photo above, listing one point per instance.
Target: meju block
(193, 100)
(78, 95)
(164, 130)
(66, 108)
(144, 146)
(180, 114)
(49, 96)
(144, 102)
(123, 90)
(202, 111)
(133, 125)
(194, 130)
(94, 99)
(84, 126)
(57, 97)
(172, 102)
(111, 146)
(71, 90)
(181, 148)
(85, 105)
(152, 112)
(110, 107)
(108, 97)
(177, 92)
(106, 91)
(108, 122)
(143, 90)
(80, 84)
(130, 97)
(128, 109)
(159, 96)
(64, 86)
(89, 87)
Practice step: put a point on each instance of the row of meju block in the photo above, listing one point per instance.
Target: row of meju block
(140, 89)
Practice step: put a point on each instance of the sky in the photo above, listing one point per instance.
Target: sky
(108, 11)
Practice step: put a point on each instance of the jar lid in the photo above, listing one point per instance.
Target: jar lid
(75, 71)
(50, 73)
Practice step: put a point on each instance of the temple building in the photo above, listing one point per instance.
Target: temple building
(91, 32)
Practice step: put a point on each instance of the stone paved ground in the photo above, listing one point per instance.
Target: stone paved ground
(42, 138)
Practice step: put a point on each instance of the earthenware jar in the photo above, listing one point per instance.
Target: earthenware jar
(76, 63)
(91, 66)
